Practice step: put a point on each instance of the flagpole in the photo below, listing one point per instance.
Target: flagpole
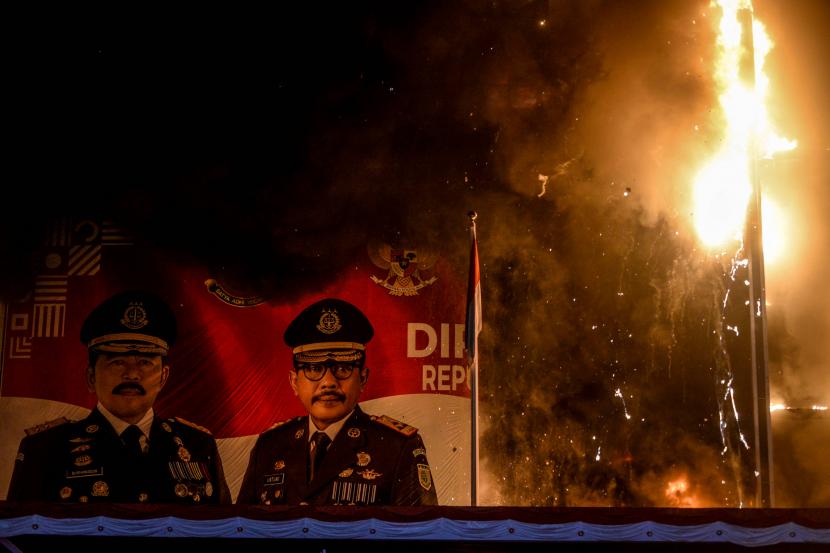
(471, 330)
(764, 491)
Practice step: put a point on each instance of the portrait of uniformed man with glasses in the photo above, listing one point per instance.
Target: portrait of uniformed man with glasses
(337, 454)
(123, 451)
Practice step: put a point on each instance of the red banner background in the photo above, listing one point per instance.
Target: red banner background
(229, 366)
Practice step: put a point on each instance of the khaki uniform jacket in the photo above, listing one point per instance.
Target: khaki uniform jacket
(85, 461)
(372, 461)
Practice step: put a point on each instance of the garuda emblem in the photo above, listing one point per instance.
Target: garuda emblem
(403, 266)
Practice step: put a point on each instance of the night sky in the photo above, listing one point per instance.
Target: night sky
(275, 144)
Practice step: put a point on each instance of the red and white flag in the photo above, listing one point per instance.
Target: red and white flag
(473, 321)
(472, 328)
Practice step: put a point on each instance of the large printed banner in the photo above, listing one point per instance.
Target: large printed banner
(229, 366)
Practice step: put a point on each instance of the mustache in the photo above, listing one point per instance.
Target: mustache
(328, 396)
(129, 386)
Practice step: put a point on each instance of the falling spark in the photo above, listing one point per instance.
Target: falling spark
(722, 427)
(730, 394)
(737, 262)
(618, 393)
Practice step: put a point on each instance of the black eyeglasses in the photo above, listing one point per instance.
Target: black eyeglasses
(316, 371)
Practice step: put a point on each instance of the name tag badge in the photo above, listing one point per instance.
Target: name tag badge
(274, 479)
(85, 473)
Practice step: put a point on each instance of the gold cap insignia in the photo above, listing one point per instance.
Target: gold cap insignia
(135, 316)
(329, 322)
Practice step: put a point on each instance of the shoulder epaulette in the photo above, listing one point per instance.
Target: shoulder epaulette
(281, 423)
(193, 425)
(46, 425)
(397, 425)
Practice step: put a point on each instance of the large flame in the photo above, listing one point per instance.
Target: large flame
(723, 186)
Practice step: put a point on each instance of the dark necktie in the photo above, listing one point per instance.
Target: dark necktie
(319, 443)
(131, 437)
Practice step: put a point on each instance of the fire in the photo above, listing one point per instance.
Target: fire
(723, 187)
(678, 493)
(676, 487)
(776, 231)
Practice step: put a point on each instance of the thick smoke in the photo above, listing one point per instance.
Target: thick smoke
(573, 128)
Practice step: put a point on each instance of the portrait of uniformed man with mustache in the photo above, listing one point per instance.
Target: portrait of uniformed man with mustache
(337, 454)
(123, 451)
